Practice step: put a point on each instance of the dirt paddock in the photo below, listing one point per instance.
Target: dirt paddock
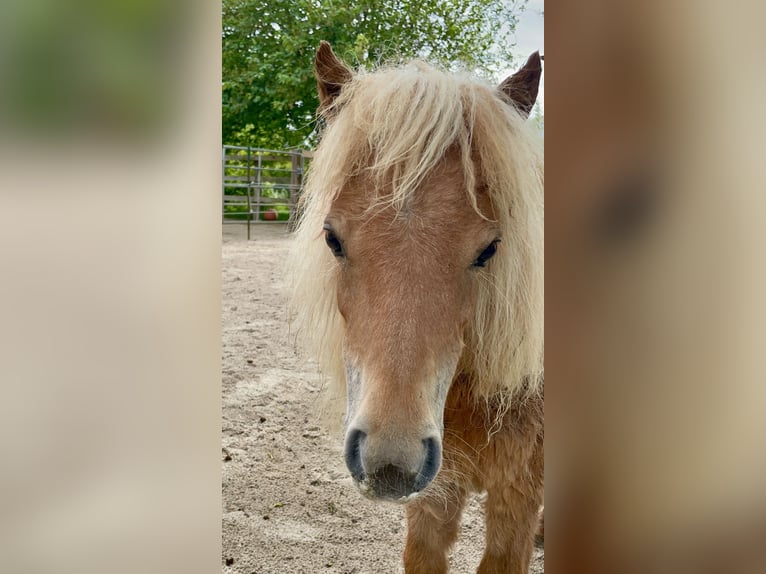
(288, 502)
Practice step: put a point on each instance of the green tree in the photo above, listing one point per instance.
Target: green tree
(269, 91)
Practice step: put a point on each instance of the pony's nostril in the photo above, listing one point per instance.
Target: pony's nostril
(353, 455)
(431, 463)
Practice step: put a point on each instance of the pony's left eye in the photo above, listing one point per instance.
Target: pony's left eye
(487, 254)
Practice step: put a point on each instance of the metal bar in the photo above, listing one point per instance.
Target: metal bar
(223, 184)
(249, 205)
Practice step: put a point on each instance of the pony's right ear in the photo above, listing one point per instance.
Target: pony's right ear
(331, 74)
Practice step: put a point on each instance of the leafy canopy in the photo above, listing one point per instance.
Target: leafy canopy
(269, 91)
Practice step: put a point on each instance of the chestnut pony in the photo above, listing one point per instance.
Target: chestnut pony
(418, 264)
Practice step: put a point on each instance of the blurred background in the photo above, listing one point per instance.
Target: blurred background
(654, 275)
(109, 291)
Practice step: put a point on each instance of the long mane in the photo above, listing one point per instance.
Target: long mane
(395, 125)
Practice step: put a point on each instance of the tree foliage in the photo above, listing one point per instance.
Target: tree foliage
(269, 91)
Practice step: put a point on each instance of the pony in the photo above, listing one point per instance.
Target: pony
(418, 285)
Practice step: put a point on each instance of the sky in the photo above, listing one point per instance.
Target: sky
(529, 37)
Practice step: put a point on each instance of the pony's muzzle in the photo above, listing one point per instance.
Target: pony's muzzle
(390, 473)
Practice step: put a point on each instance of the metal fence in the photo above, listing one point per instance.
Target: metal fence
(261, 185)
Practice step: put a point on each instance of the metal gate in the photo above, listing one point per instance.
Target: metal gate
(261, 185)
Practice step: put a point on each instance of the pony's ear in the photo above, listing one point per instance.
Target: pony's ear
(522, 86)
(331, 74)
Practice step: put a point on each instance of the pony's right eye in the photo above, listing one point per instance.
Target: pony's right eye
(487, 254)
(333, 242)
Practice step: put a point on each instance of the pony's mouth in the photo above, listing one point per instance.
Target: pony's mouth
(368, 491)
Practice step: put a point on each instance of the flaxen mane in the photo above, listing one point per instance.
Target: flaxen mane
(395, 125)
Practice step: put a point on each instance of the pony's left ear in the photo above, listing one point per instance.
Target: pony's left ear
(522, 86)
(331, 74)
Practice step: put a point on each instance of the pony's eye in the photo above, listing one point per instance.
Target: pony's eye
(333, 242)
(487, 254)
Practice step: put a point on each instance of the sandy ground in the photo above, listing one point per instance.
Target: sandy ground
(288, 502)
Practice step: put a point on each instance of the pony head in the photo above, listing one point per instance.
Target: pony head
(418, 256)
